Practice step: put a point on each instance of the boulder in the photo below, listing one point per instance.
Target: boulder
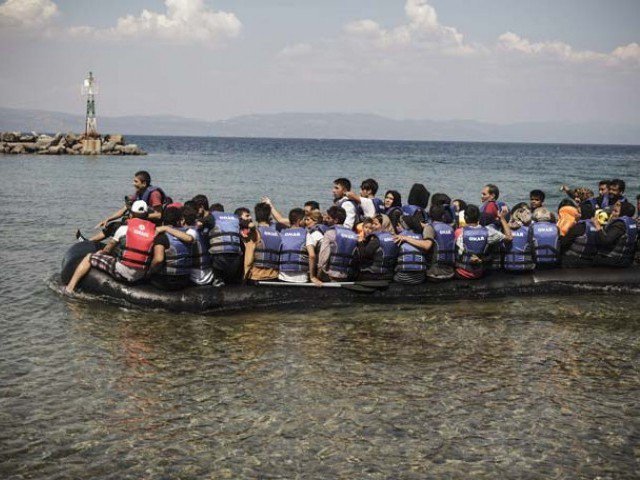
(70, 151)
(108, 147)
(116, 138)
(55, 150)
(28, 138)
(131, 149)
(57, 139)
(10, 136)
(77, 147)
(18, 149)
(30, 146)
(71, 138)
(44, 141)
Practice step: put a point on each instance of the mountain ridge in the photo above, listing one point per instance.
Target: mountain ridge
(348, 126)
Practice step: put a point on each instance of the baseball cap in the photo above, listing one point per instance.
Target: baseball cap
(139, 206)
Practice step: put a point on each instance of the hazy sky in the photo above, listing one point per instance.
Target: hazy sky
(491, 60)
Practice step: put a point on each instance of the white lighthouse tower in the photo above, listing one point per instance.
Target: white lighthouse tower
(90, 90)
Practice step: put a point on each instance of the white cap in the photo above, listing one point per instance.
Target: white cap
(139, 206)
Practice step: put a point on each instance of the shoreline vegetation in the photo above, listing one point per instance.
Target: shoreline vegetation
(66, 144)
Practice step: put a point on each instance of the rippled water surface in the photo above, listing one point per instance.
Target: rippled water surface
(520, 387)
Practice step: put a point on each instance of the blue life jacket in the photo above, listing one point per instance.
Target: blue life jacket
(621, 254)
(518, 256)
(411, 258)
(474, 241)
(378, 205)
(293, 252)
(319, 227)
(201, 257)
(178, 258)
(445, 244)
(224, 237)
(147, 194)
(412, 210)
(389, 211)
(546, 243)
(385, 258)
(343, 251)
(584, 247)
(267, 252)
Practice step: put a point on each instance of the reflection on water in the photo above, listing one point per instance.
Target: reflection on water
(486, 389)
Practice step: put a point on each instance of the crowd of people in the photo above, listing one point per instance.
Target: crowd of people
(359, 237)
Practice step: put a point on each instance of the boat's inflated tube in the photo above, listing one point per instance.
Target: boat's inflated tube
(212, 299)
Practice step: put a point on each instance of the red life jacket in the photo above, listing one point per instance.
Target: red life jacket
(138, 244)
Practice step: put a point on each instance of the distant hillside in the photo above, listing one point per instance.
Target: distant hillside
(329, 125)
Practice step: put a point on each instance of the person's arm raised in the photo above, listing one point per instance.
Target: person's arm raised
(275, 213)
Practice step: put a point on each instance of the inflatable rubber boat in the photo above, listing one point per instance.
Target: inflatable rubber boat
(212, 299)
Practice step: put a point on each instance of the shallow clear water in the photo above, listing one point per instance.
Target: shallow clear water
(514, 388)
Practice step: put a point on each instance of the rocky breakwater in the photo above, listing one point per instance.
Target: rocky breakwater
(66, 144)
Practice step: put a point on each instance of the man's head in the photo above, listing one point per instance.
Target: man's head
(243, 214)
(536, 199)
(369, 188)
(202, 203)
(489, 193)
(616, 188)
(436, 212)
(310, 206)
(139, 209)
(340, 187)
(336, 215)
(440, 199)
(603, 187)
(141, 180)
(471, 214)
(587, 211)
(189, 214)
(623, 209)
(263, 212)
(216, 207)
(542, 215)
(296, 217)
(172, 217)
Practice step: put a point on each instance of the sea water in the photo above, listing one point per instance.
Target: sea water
(520, 387)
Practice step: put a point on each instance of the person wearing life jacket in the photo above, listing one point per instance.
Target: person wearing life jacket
(201, 271)
(315, 234)
(341, 186)
(545, 236)
(172, 251)
(392, 202)
(262, 248)
(417, 202)
(135, 240)
(536, 199)
(472, 242)
(222, 233)
(368, 205)
(518, 253)
(491, 206)
(617, 240)
(294, 252)
(444, 200)
(441, 253)
(378, 252)
(412, 264)
(338, 257)
(616, 192)
(568, 215)
(459, 206)
(578, 246)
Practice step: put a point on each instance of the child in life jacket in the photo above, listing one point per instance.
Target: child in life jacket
(133, 260)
